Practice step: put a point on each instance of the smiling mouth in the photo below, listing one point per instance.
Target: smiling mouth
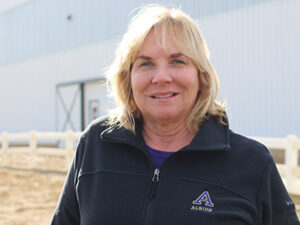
(164, 96)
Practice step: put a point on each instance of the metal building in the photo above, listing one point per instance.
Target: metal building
(53, 53)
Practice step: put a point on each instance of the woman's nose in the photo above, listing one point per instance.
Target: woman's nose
(162, 75)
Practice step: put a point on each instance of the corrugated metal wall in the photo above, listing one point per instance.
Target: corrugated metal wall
(46, 26)
(254, 47)
(256, 54)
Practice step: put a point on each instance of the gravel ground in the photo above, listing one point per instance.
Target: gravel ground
(28, 197)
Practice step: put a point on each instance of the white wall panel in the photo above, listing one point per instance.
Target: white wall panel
(42, 27)
(27, 93)
(255, 51)
(96, 97)
(254, 48)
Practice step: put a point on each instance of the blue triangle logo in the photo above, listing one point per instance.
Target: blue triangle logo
(204, 198)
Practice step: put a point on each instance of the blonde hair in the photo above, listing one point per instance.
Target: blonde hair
(188, 41)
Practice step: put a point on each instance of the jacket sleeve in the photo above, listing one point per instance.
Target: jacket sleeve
(275, 205)
(67, 209)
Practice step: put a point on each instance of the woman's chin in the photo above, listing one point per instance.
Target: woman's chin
(165, 117)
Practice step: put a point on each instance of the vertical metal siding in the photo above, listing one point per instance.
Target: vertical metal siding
(259, 71)
(255, 52)
(41, 27)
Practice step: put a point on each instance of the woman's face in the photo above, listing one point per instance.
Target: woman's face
(165, 84)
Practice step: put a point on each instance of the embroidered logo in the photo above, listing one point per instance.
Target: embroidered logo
(203, 203)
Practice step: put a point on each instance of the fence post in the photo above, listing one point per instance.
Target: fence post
(33, 149)
(291, 161)
(69, 149)
(4, 140)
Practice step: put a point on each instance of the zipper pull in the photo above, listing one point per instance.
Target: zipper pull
(155, 180)
(155, 177)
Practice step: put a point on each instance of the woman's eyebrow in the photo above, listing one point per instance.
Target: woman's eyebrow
(175, 55)
(143, 57)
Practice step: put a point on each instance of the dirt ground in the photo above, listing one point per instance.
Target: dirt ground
(28, 197)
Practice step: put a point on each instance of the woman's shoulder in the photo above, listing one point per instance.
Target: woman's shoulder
(247, 145)
(96, 126)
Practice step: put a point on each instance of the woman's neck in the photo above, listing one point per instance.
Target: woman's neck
(167, 137)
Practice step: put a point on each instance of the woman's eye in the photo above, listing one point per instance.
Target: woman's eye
(177, 61)
(146, 64)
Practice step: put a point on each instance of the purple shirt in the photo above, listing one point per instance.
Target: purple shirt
(158, 157)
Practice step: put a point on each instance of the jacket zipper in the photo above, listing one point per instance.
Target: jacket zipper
(149, 206)
(155, 180)
(154, 185)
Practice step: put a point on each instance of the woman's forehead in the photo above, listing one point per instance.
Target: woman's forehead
(158, 39)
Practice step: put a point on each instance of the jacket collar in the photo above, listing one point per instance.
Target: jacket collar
(211, 136)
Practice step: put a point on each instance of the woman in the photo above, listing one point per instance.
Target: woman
(166, 155)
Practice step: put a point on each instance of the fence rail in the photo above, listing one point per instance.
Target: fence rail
(64, 143)
(289, 170)
(28, 144)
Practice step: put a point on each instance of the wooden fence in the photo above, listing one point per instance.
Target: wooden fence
(63, 147)
(289, 169)
(36, 146)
